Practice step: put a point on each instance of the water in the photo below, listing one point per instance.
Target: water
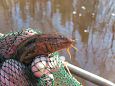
(90, 22)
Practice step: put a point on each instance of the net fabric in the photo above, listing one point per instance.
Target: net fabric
(62, 77)
(14, 73)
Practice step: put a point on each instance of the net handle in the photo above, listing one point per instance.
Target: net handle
(89, 76)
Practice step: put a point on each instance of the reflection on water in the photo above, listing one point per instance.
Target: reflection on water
(90, 22)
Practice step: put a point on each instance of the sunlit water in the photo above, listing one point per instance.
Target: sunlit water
(90, 22)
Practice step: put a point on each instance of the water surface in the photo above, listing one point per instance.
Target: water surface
(90, 22)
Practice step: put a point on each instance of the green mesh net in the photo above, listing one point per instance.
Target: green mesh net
(15, 73)
(62, 77)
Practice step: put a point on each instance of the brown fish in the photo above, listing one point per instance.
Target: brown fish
(43, 44)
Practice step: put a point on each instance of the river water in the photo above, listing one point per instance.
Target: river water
(90, 22)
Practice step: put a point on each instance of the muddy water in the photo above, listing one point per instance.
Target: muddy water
(90, 22)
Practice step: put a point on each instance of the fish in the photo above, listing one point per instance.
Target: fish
(43, 44)
(27, 44)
